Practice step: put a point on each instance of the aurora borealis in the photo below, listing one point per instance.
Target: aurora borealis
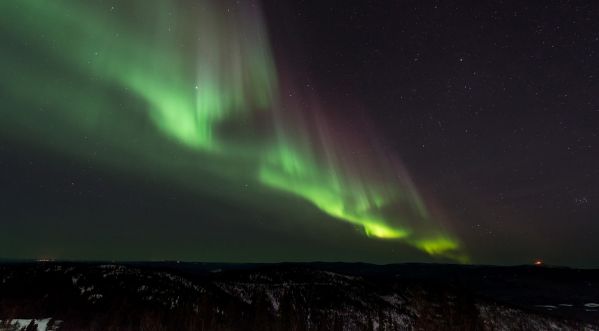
(195, 95)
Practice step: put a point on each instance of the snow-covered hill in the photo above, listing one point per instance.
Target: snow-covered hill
(317, 296)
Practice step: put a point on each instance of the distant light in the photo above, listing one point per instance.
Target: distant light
(45, 260)
(538, 262)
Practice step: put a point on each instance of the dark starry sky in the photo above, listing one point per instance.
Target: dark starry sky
(492, 106)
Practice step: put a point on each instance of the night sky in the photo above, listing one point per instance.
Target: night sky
(246, 131)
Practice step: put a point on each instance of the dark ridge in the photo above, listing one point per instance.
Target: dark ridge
(296, 296)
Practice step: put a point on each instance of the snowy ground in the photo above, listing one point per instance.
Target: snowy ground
(43, 324)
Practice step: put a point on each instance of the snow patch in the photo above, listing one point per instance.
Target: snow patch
(549, 307)
(23, 323)
(273, 300)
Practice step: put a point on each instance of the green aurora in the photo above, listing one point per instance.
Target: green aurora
(206, 80)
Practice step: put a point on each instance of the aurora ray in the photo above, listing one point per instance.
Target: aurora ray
(222, 101)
